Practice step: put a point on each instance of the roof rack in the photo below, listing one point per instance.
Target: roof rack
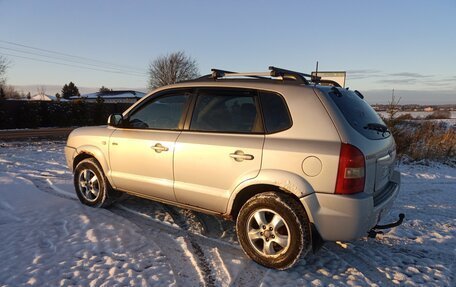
(300, 78)
(287, 74)
(217, 73)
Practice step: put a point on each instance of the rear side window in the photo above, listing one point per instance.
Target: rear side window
(229, 110)
(275, 112)
(359, 114)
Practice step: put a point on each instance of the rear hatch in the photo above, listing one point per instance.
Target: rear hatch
(371, 136)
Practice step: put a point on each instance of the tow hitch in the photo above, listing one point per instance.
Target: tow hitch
(375, 230)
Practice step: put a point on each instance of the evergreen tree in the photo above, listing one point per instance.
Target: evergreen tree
(58, 96)
(103, 89)
(100, 99)
(29, 96)
(2, 93)
(70, 90)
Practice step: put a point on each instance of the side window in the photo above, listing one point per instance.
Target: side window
(161, 113)
(275, 112)
(226, 111)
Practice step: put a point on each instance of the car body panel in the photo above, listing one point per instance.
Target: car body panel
(347, 217)
(92, 141)
(136, 166)
(205, 172)
(287, 181)
(373, 150)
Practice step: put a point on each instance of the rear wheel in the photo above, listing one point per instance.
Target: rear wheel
(92, 186)
(273, 229)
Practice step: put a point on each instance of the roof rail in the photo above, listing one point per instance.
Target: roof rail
(276, 72)
(300, 78)
(217, 73)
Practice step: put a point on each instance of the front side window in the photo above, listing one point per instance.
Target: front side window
(226, 111)
(162, 113)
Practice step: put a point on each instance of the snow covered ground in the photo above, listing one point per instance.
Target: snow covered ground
(49, 238)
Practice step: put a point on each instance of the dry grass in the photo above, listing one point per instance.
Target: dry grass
(425, 140)
(439, 115)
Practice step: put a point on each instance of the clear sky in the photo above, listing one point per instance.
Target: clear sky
(406, 45)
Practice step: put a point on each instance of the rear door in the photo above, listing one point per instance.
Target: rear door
(372, 136)
(384, 168)
(222, 147)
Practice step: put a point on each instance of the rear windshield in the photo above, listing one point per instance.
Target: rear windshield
(358, 113)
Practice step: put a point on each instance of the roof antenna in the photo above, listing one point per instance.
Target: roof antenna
(315, 79)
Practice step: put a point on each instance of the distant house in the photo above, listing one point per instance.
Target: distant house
(43, 97)
(428, 109)
(112, 96)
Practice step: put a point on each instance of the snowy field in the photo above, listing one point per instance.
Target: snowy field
(49, 239)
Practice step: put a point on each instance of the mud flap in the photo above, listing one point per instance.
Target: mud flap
(317, 241)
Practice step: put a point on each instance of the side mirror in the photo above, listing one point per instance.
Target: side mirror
(115, 120)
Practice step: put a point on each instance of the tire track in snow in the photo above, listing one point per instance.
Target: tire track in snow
(165, 236)
(45, 185)
(362, 265)
(251, 275)
(203, 264)
(211, 226)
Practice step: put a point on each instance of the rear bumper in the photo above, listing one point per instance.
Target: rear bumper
(347, 217)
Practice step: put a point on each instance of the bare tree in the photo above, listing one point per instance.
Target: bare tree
(392, 110)
(393, 107)
(41, 91)
(10, 92)
(172, 68)
(4, 64)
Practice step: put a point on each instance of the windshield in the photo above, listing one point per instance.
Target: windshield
(359, 113)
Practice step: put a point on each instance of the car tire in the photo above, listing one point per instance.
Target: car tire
(91, 185)
(274, 230)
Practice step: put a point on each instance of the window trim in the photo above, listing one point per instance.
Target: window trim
(193, 106)
(157, 96)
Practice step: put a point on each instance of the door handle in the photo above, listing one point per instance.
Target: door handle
(159, 148)
(239, 155)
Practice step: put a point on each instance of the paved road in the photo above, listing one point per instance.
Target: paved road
(33, 133)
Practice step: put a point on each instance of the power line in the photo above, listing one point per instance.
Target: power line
(69, 65)
(69, 55)
(62, 59)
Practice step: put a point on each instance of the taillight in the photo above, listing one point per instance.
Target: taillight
(350, 176)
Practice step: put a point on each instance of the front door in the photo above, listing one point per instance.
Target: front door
(141, 154)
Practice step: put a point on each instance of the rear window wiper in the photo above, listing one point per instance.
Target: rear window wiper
(377, 127)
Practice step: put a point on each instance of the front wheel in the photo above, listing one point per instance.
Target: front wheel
(273, 230)
(91, 185)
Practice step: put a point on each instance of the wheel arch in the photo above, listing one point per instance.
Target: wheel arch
(268, 180)
(91, 152)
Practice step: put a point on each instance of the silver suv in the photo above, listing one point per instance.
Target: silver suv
(291, 157)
